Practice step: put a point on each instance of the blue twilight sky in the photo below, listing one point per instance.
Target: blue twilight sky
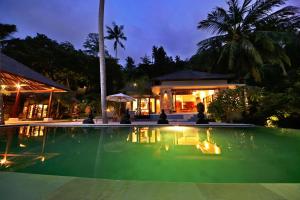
(170, 23)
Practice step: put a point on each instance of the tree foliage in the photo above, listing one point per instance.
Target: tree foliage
(249, 35)
(116, 34)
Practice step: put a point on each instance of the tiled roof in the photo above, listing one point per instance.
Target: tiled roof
(192, 75)
(11, 66)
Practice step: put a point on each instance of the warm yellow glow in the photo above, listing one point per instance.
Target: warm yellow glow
(43, 158)
(18, 86)
(211, 92)
(3, 161)
(217, 149)
(202, 94)
(158, 135)
(206, 145)
(134, 84)
(22, 145)
(134, 137)
(176, 128)
(3, 87)
(107, 110)
(167, 147)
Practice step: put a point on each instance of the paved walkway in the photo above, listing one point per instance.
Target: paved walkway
(138, 123)
(31, 186)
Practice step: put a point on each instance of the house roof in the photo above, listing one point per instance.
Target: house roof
(13, 72)
(192, 75)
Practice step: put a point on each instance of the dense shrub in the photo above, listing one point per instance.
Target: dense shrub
(261, 107)
(228, 105)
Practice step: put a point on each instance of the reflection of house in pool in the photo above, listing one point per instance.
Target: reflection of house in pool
(29, 93)
(175, 136)
(179, 92)
(18, 154)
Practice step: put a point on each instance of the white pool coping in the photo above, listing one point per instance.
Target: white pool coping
(117, 124)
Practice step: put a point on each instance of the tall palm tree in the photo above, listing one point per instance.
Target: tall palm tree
(5, 31)
(102, 62)
(251, 34)
(116, 33)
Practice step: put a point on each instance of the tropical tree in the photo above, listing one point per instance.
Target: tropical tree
(130, 68)
(116, 33)
(5, 31)
(251, 34)
(91, 45)
(102, 62)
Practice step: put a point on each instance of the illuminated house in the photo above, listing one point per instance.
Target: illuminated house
(179, 92)
(28, 94)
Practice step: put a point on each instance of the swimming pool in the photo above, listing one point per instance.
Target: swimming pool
(156, 153)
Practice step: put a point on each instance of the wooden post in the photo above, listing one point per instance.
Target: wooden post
(1, 109)
(15, 109)
(49, 104)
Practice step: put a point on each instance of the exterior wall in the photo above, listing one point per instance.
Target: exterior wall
(166, 100)
(25, 103)
(165, 94)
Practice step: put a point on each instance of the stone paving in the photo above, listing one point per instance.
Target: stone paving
(134, 123)
(32, 186)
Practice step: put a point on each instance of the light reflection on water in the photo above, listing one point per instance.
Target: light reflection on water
(176, 136)
(17, 139)
(174, 153)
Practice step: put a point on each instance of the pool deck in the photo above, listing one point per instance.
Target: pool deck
(98, 123)
(33, 186)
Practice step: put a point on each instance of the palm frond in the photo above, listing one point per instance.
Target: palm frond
(256, 74)
(216, 22)
(211, 42)
(260, 9)
(249, 49)
(224, 51)
(245, 6)
(284, 18)
(121, 44)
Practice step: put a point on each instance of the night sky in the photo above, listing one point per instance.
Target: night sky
(170, 23)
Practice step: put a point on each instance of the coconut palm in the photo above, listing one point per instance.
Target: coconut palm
(102, 61)
(251, 34)
(116, 33)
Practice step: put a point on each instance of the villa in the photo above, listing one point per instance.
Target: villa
(179, 92)
(28, 93)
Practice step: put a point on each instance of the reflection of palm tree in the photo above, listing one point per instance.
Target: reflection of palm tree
(116, 33)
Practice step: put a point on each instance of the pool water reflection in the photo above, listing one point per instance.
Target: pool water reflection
(174, 153)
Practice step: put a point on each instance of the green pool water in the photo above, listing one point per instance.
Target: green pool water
(180, 154)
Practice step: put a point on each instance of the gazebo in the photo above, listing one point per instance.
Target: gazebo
(16, 79)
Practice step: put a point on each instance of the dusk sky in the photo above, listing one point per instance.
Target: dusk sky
(170, 23)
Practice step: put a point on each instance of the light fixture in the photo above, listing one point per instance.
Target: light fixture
(18, 86)
(3, 161)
